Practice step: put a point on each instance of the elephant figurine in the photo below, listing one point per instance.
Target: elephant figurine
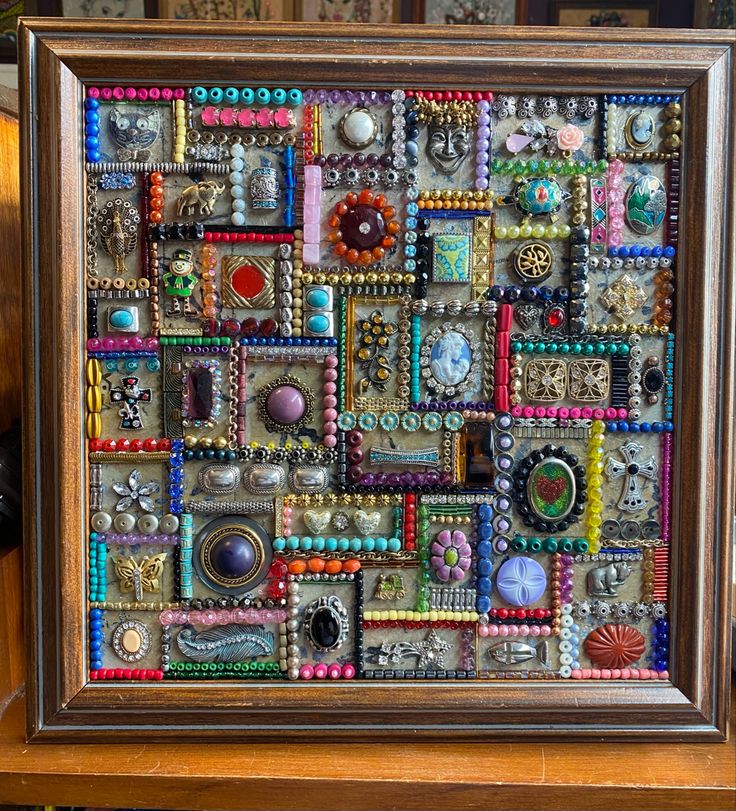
(202, 195)
(603, 580)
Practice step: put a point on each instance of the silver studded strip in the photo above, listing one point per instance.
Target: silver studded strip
(215, 507)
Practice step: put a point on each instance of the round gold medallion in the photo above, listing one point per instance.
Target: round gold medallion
(533, 261)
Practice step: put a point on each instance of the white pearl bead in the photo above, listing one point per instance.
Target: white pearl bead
(236, 178)
(237, 192)
(237, 218)
(237, 151)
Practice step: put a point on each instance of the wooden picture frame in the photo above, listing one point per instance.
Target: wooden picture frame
(57, 59)
(580, 13)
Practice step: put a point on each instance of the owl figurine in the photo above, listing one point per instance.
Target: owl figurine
(135, 132)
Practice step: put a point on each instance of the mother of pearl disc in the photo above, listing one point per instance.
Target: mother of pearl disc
(358, 128)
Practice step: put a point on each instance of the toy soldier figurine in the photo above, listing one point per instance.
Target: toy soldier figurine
(180, 282)
(130, 395)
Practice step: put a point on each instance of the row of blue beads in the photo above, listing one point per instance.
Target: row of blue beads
(176, 476)
(625, 251)
(624, 426)
(484, 559)
(92, 130)
(641, 99)
(288, 341)
(96, 638)
(247, 95)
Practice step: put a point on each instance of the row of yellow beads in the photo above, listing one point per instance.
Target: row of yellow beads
(180, 130)
(593, 519)
(420, 616)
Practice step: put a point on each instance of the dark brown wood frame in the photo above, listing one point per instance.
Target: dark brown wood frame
(57, 58)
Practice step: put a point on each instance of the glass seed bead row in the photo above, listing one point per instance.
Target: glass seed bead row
(594, 510)
(217, 670)
(542, 347)
(533, 168)
(247, 95)
(538, 231)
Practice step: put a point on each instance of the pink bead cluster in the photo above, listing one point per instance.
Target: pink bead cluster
(514, 630)
(286, 514)
(323, 671)
(136, 93)
(666, 491)
(329, 402)
(281, 119)
(222, 616)
(615, 203)
(114, 344)
(482, 146)
(644, 673)
(312, 213)
(575, 413)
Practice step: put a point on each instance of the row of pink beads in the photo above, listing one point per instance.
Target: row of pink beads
(643, 673)
(615, 207)
(286, 514)
(666, 485)
(112, 344)
(222, 616)
(329, 401)
(323, 671)
(136, 93)
(451, 95)
(514, 630)
(312, 213)
(575, 413)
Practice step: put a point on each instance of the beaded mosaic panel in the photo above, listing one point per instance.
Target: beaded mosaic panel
(378, 383)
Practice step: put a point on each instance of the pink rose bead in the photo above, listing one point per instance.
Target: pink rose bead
(306, 672)
(329, 388)
(330, 401)
(320, 671)
(492, 630)
(330, 414)
(348, 671)
(331, 361)
(330, 428)
(330, 374)
(330, 441)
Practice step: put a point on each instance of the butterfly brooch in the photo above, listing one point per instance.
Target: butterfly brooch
(140, 577)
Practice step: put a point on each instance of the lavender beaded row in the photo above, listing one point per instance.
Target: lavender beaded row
(347, 96)
(347, 160)
(206, 350)
(406, 479)
(483, 146)
(134, 539)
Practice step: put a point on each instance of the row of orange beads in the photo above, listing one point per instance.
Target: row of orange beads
(317, 565)
(210, 299)
(353, 255)
(156, 198)
(556, 594)
(663, 297)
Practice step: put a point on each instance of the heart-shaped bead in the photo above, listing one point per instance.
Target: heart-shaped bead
(317, 522)
(367, 523)
(527, 315)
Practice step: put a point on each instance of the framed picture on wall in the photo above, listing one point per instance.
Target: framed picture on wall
(248, 10)
(10, 10)
(470, 12)
(385, 385)
(586, 14)
(348, 11)
(100, 9)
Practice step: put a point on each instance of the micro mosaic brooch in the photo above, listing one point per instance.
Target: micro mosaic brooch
(378, 383)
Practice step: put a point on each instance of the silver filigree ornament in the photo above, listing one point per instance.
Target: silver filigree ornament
(134, 491)
(225, 643)
(430, 651)
(326, 623)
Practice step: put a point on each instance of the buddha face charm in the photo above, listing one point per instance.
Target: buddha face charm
(447, 146)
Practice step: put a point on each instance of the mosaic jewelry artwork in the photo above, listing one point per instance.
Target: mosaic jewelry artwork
(379, 383)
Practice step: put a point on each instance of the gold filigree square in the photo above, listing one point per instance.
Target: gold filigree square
(545, 380)
(588, 380)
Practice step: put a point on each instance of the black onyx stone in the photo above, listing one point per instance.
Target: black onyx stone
(232, 556)
(200, 391)
(362, 227)
(653, 380)
(324, 628)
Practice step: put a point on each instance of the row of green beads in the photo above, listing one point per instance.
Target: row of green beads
(193, 340)
(549, 545)
(97, 574)
(564, 348)
(416, 329)
(423, 557)
(239, 668)
(546, 167)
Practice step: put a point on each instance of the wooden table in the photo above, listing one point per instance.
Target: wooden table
(523, 777)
